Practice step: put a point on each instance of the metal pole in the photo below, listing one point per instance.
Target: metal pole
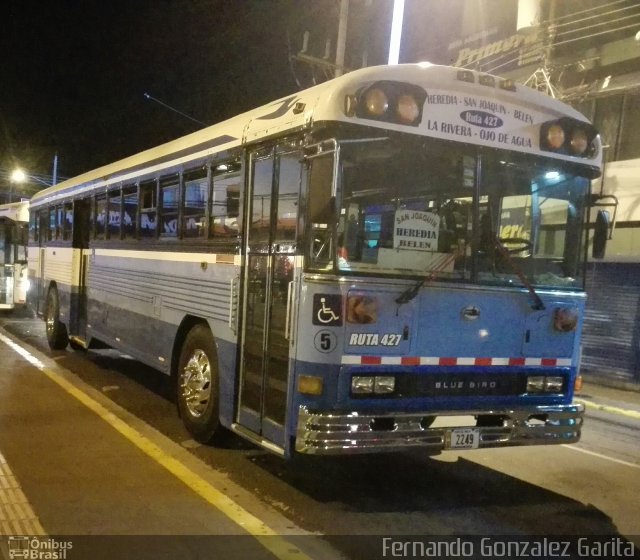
(342, 37)
(396, 31)
(55, 170)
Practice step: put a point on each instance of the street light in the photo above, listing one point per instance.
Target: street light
(19, 176)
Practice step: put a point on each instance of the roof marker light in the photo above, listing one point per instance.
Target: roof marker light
(376, 102)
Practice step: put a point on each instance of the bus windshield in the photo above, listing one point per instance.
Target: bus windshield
(447, 213)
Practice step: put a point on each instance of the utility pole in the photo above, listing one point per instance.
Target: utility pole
(342, 37)
(396, 31)
(55, 170)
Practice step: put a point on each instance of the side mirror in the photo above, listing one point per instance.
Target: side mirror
(600, 234)
(321, 200)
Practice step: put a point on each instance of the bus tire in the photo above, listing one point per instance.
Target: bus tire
(197, 384)
(56, 330)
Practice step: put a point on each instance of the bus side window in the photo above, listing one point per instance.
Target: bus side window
(113, 214)
(288, 194)
(196, 194)
(129, 211)
(22, 241)
(59, 222)
(82, 221)
(225, 202)
(33, 227)
(67, 221)
(148, 210)
(100, 224)
(43, 227)
(52, 224)
(170, 188)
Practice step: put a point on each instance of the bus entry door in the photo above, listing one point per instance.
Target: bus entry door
(275, 177)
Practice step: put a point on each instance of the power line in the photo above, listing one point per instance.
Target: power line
(582, 29)
(487, 59)
(549, 34)
(595, 8)
(553, 26)
(147, 96)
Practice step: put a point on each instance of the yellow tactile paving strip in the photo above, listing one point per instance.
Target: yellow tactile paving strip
(16, 515)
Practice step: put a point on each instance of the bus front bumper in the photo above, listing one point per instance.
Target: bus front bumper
(333, 434)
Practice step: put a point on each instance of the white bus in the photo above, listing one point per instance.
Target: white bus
(14, 221)
(344, 269)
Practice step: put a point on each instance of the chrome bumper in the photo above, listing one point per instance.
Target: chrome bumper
(333, 434)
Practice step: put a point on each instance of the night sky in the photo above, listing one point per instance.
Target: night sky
(74, 73)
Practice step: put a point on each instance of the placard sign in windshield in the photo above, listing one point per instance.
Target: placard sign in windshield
(416, 230)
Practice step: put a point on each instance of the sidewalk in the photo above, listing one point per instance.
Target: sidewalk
(611, 400)
(75, 465)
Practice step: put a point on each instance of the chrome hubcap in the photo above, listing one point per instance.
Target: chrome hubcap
(195, 383)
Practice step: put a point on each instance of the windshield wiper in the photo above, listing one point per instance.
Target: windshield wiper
(538, 304)
(412, 291)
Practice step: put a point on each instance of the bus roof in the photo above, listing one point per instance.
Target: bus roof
(452, 110)
(15, 211)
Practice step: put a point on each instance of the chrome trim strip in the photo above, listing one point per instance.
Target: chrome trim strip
(336, 279)
(330, 434)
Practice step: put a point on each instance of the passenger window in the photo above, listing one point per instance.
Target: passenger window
(148, 210)
(59, 233)
(67, 221)
(113, 214)
(225, 204)
(101, 217)
(34, 218)
(129, 212)
(288, 193)
(52, 224)
(196, 195)
(170, 197)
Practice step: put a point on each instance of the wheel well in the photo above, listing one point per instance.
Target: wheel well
(187, 324)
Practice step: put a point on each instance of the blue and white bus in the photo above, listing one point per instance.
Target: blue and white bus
(391, 259)
(14, 220)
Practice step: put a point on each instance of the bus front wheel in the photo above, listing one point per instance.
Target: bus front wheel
(197, 384)
(56, 331)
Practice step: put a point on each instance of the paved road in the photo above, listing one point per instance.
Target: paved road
(591, 488)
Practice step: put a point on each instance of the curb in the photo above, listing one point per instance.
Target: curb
(610, 409)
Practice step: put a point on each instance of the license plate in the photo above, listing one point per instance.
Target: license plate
(464, 438)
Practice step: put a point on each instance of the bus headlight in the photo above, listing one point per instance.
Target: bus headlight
(362, 385)
(545, 384)
(373, 384)
(535, 384)
(384, 385)
(553, 384)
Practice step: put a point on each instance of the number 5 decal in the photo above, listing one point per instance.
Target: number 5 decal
(325, 341)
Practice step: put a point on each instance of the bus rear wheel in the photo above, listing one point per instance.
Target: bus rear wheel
(197, 384)
(56, 331)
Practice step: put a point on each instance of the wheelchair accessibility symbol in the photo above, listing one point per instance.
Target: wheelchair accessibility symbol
(327, 310)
